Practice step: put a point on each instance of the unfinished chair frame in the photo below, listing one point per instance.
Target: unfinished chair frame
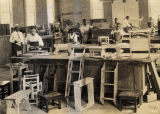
(77, 93)
(140, 45)
(32, 82)
(101, 38)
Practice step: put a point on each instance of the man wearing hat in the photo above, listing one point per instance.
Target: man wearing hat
(16, 39)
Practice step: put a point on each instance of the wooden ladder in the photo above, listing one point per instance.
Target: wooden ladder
(75, 71)
(155, 78)
(109, 78)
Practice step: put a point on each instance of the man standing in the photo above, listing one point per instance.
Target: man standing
(126, 24)
(84, 30)
(17, 39)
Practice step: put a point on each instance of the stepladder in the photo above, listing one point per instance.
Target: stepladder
(75, 72)
(109, 82)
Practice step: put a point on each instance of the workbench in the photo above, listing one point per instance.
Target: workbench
(127, 68)
(56, 65)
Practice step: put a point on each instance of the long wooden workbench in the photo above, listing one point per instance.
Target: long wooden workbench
(128, 68)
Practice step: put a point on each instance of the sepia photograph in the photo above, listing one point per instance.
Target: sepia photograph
(79, 56)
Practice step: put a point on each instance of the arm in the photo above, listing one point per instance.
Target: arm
(41, 43)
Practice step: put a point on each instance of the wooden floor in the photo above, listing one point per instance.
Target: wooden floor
(107, 108)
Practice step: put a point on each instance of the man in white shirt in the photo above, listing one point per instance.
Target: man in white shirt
(117, 34)
(17, 39)
(34, 37)
(126, 24)
(85, 29)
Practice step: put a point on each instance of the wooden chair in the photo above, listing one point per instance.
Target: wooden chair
(32, 82)
(53, 96)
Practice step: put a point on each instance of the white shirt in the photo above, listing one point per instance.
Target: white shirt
(126, 23)
(35, 38)
(118, 31)
(74, 37)
(17, 36)
(85, 29)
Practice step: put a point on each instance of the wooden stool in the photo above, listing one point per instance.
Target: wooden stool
(4, 84)
(44, 100)
(133, 96)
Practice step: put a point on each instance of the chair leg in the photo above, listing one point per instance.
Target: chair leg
(59, 102)
(120, 104)
(135, 103)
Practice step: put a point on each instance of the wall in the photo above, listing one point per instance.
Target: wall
(122, 9)
(41, 12)
(18, 12)
(5, 50)
(144, 12)
(75, 10)
(108, 11)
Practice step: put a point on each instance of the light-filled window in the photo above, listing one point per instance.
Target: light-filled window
(129, 8)
(30, 12)
(5, 11)
(51, 11)
(97, 10)
(154, 9)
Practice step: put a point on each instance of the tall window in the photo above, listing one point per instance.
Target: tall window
(97, 10)
(30, 12)
(50, 11)
(5, 11)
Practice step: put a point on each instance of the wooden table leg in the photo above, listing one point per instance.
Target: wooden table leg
(9, 91)
(135, 103)
(120, 104)
(59, 102)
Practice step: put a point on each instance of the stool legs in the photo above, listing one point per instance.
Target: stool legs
(3, 93)
(135, 101)
(59, 102)
(44, 102)
(120, 108)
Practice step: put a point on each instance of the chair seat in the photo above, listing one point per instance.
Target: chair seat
(44, 100)
(130, 94)
(52, 95)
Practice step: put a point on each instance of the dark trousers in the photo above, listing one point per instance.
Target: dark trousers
(15, 48)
